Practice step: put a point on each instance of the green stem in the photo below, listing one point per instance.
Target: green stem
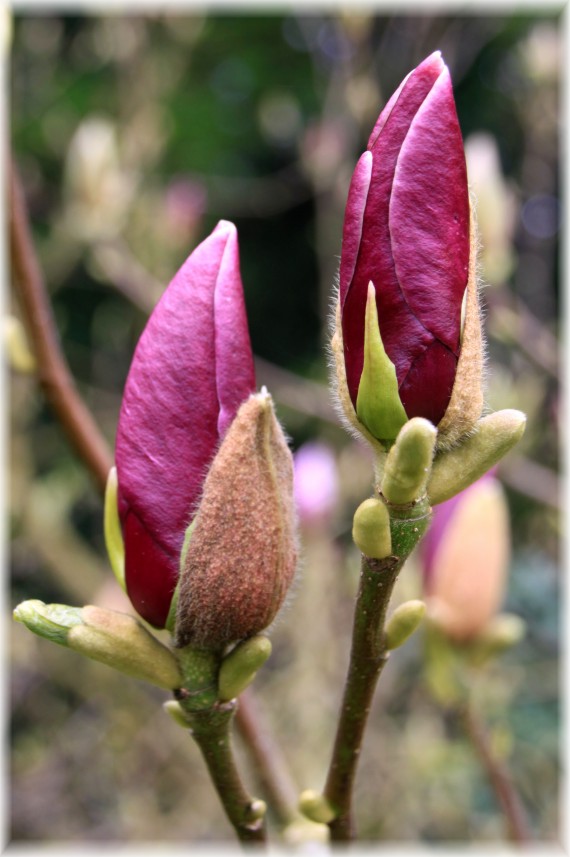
(211, 729)
(367, 659)
(211, 722)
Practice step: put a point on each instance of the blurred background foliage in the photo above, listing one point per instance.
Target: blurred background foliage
(134, 134)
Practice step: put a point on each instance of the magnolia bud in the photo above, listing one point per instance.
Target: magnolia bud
(242, 555)
(239, 668)
(403, 622)
(408, 463)
(466, 557)
(371, 529)
(493, 436)
(408, 339)
(112, 638)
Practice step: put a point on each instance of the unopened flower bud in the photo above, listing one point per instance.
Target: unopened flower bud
(493, 436)
(408, 339)
(316, 807)
(408, 464)
(113, 638)
(239, 668)
(466, 556)
(242, 555)
(371, 529)
(403, 622)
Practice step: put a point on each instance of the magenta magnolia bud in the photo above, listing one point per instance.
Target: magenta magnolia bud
(408, 307)
(192, 369)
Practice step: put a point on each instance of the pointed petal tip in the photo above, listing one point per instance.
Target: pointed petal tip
(225, 227)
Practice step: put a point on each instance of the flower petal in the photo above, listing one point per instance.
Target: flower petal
(168, 425)
(429, 212)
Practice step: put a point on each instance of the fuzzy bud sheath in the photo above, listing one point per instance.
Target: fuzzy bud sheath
(242, 554)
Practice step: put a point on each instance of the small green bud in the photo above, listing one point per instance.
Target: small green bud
(378, 404)
(113, 638)
(403, 622)
(241, 665)
(371, 529)
(176, 711)
(408, 464)
(493, 436)
(112, 528)
(316, 807)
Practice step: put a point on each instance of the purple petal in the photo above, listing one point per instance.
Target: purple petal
(429, 216)
(235, 376)
(403, 335)
(168, 425)
(431, 66)
(352, 230)
(426, 389)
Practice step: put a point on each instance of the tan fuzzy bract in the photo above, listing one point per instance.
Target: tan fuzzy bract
(242, 555)
(466, 402)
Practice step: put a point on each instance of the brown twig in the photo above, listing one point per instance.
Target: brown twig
(266, 755)
(53, 373)
(498, 776)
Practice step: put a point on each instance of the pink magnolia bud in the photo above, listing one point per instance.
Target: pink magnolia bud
(465, 558)
(192, 369)
(407, 307)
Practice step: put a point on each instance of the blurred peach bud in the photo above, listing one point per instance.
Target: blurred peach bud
(98, 191)
(316, 482)
(466, 558)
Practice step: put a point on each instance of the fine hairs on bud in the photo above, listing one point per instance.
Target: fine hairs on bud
(466, 403)
(242, 555)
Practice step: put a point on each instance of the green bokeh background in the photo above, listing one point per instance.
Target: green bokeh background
(258, 117)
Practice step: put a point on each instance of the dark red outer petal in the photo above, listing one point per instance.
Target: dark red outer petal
(429, 216)
(426, 389)
(403, 335)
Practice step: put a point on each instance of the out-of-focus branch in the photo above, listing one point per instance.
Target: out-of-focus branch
(498, 777)
(53, 373)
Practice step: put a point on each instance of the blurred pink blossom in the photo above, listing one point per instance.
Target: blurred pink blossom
(316, 482)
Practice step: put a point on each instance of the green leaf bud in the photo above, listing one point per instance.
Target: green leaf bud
(241, 665)
(493, 436)
(112, 528)
(175, 710)
(316, 807)
(408, 464)
(371, 529)
(113, 638)
(403, 622)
